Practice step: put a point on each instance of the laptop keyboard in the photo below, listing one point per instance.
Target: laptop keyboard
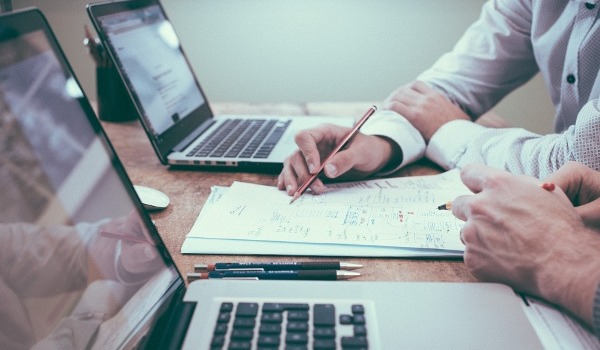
(242, 139)
(289, 326)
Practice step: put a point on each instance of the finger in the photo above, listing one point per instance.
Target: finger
(461, 207)
(478, 176)
(421, 88)
(289, 177)
(590, 213)
(570, 178)
(308, 141)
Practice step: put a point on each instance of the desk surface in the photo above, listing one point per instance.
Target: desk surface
(188, 190)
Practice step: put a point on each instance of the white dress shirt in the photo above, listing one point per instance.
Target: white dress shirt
(511, 42)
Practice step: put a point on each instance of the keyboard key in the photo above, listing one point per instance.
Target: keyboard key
(297, 327)
(247, 310)
(226, 307)
(324, 315)
(221, 328)
(358, 309)
(298, 315)
(242, 334)
(360, 330)
(272, 317)
(268, 340)
(324, 344)
(296, 338)
(273, 307)
(354, 342)
(244, 323)
(267, 328)
(240, 345)
(223, 317)
(359, 319)
(324, 332)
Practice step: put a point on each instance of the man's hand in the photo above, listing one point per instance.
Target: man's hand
(532, 239)
(426, 109)
(582, 186)
(364, 156)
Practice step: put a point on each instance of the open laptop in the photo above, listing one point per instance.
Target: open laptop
(174, 110)
(83, 267)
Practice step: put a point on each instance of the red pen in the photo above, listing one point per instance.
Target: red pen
(341, 145)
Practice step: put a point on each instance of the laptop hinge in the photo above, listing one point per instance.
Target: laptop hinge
(169, 330)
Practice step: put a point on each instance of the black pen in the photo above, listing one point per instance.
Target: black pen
(273, 266)
(328, 275)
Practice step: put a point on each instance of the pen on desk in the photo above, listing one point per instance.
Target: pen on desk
(345, 142)
(273, 266)
(325, 275)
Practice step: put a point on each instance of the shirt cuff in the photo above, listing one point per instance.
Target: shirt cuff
(450, 142)
(392, 125)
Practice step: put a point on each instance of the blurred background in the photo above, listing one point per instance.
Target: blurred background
(272, 51)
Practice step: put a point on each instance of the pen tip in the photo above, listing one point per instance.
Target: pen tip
(344, 275)
(350, 266)
(296, 196)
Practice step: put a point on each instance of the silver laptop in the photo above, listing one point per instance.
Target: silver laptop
(172, 106)
(83, 267)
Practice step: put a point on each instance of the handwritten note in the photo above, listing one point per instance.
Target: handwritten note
(398, 212)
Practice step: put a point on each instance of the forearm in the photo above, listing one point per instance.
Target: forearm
(493, 57)
(573, 280)
(516, 150)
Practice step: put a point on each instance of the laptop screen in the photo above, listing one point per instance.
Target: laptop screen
(147, 52)
(80, 264)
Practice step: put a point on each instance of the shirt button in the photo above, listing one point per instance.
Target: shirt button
(570, 78)
(589, 6)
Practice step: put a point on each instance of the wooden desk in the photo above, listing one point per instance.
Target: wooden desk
(188, 190)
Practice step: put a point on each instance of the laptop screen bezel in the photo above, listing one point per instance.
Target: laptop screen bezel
(170, 139)
(30, 20)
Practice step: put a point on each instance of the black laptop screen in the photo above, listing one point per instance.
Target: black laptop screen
(80, 264)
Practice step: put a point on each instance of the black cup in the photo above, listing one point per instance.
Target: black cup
(114, 103)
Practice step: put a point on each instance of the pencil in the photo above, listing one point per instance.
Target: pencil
(341, 145)
(445, 206)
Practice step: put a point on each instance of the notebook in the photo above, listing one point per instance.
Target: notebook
(83, 267)
(172, 107)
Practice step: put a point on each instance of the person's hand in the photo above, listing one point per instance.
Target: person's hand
(426, 109)
(532, 239)
(582, 186)
(126, 240)
(365, 155)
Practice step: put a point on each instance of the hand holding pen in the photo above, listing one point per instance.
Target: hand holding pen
(343, 143)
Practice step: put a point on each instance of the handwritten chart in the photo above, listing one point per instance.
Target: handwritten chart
(399, 212)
